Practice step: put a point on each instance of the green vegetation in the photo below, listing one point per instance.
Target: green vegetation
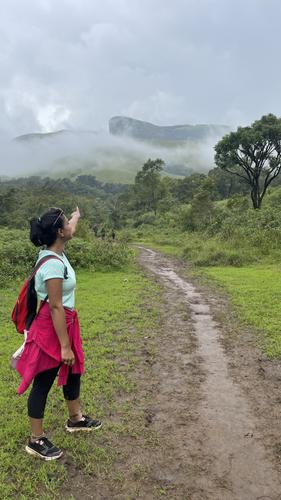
(253, 154)
(17, 254)
(112, 331)
(234, 234)
(148, 185)
(24, 198)
(255, 292)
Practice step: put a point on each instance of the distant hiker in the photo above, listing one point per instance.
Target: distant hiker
(53, 343)
(113, 235)
(102, 233)
(95, 230)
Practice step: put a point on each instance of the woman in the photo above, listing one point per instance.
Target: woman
(53, 343)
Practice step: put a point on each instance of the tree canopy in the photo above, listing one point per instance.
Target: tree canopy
(148, 184)
(253, 154)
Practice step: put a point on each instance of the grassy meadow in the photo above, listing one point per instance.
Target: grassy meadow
(113, 324)
(255, 293)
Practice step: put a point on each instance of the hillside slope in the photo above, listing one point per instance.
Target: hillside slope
(141, 130)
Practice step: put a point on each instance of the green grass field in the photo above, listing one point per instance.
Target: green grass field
(111, 310)
(255, 292)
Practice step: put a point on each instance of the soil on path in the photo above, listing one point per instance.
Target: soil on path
(207, 398)
(210, 402)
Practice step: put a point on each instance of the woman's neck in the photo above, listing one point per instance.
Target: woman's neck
(57, 247)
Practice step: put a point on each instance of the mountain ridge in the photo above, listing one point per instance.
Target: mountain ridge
(147, 131)
(126, 126)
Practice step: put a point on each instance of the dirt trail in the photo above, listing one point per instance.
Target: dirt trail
(205, 417)
(219, 449)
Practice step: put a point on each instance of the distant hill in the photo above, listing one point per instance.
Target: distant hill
(145, 131)
(116, 156)
(53, 135)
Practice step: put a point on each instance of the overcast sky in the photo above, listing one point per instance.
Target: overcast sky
(76, 63)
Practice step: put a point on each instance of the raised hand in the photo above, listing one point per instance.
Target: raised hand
(75, 216)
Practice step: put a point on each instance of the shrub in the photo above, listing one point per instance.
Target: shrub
(185, 218)
(84, 230)
(125, 236)
(98, 254)
(18, 255)
(145, 218)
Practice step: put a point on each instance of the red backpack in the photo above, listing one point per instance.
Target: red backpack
(25, 308)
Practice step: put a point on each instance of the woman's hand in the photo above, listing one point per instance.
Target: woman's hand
(75, 216)
(67, 356)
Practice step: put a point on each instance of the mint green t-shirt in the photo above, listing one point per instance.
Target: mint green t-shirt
(54, 268)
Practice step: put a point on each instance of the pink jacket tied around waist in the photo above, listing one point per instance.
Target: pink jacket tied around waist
(42, 350)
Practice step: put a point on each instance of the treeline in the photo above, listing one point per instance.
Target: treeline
(81, 185)
(154, 196)
(117, 205)
(109, 204)
(202, 225)
(23, 198)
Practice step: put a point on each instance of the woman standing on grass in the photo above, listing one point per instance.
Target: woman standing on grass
(53, 343)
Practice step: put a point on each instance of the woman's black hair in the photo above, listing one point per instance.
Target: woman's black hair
(44, 230)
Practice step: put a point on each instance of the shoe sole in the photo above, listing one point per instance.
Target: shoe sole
(83, 429)
(36, 454)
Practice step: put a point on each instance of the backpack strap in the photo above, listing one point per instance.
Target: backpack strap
(39, 264)
(37, 267)
(42, 261)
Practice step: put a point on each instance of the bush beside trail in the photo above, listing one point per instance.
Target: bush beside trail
(18, 255)
(233, 234)
(98, 254)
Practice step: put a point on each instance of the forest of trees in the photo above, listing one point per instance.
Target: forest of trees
(115, 204)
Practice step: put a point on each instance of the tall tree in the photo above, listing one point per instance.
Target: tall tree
(253, 154)
(148, 184)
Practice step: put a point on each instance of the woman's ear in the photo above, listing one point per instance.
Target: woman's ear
(61, 232)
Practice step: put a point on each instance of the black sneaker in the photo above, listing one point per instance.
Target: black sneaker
(44, 449)
(85, 424)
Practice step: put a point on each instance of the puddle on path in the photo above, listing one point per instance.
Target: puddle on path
(228, 426)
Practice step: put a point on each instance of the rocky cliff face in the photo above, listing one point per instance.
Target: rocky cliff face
(140, 130)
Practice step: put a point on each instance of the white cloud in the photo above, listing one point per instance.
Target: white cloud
(52, 117)
(161, 107)
(75, 64)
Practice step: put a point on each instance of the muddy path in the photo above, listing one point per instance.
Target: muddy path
(205, 419)
(219, 449)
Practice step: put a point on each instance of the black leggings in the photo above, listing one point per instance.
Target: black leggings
(41, 386)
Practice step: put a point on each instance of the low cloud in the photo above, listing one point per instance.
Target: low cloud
(71, 151)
